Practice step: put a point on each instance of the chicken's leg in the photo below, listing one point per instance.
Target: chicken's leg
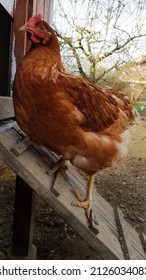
(59, 166)
(85, 202)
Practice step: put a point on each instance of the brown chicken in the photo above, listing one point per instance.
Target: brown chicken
(83, 122)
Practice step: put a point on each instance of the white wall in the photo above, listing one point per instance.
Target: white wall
(8, 5)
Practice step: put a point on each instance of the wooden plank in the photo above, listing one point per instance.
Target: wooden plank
(6, 108)
(93, 225)
(76, 180)
(56, 186)
(32, 169)
(100, 207)
(7, 126)
(21, 146)
(122, 238)
(130, 240)
(143, 241)
(57, 191)
(105, 235)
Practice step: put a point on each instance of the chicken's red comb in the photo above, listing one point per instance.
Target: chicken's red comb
(33, 20)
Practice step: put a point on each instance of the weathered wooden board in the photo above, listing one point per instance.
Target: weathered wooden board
(6, 108)
(75, 180)
(143, 241)
(130, 239)
(32, 163)
(32, 169)
(21, 146)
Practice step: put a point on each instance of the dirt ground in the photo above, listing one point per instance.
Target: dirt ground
(124, 187)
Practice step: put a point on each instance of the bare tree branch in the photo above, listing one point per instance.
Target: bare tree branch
(69, 41)
(119, 47)
(100, 33)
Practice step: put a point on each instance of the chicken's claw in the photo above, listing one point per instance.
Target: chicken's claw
(82, 202)
(59, 166)
(86, 205)
(85, 202)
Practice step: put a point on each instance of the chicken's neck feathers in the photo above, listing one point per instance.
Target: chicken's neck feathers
(52, 46)
(44, 55)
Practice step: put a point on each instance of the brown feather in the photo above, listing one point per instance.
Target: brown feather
(73, 117)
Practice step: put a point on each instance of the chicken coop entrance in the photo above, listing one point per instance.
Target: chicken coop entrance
(5, 51)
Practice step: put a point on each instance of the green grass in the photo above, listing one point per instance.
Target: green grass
(138, 105)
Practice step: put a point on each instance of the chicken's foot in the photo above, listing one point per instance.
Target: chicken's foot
(85, 202)
(61, 166)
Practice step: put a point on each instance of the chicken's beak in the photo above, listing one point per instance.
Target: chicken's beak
(26, 28)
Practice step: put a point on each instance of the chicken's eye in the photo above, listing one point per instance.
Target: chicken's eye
(42, 28)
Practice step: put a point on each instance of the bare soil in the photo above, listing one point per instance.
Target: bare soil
(124, 187)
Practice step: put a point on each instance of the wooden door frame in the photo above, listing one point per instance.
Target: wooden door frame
(23, 10)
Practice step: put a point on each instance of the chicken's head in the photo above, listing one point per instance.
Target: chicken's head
(38, 30)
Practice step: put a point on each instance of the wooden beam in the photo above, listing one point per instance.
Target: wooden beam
(23, 219)
(129, 238)
(23, 11)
